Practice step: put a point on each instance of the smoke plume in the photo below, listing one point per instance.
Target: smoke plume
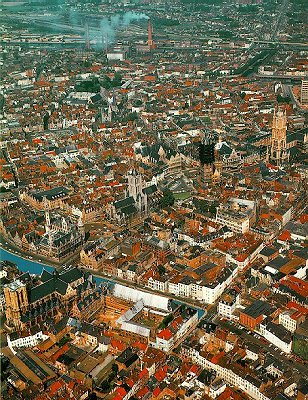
(104, 35)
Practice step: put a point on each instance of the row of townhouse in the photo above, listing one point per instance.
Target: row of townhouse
(277, 334)
(16, 341)
(196, 290)
(228, 375)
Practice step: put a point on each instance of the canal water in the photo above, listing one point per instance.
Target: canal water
(34, 267)
(24, 264)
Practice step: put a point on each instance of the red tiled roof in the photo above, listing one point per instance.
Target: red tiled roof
(142, 392)
(161, 374)
(194, 369)
(242, 257)
(121, 391)
(285, 235)
(61, 351)
(296, 306)
(117, 397)
(117, 344)
(143, 373)
(165, 334)
(226, 394)
(130, 382)
(71, 385)
(298, 285)
(55, 387)
(217, 357)
(140, 345)
(156, 392)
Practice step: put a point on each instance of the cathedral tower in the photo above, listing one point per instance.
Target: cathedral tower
(16, 300)
(135, 184)
(279, 138)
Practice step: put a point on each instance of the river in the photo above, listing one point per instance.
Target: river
(24, 264)
(34, 267)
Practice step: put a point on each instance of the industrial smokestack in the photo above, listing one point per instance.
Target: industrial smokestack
(150, 36)
(87, 37)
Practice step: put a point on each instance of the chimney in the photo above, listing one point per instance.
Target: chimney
(150, 35)
(87, 36)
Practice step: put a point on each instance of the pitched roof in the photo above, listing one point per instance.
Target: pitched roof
(54, 283)
(165, 334)
(150, 190)
(71, 275)
(128, 201)
(43, 290)
(257, 308)
(51, 194)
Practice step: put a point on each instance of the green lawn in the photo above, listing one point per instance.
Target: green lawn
(182, 196)
(300, 348)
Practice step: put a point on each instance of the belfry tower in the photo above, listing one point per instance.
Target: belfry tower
(279, 138)
(207, 158)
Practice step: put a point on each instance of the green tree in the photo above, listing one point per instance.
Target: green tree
(168, 198)
(105, 386)
(282, 99)
(130, 117)
(115, 368)
(2, 101)
(161, 270)
(212, 209)
(117, 79)
(111, 376)
(92, 86)
(106, 82)
(166, 321)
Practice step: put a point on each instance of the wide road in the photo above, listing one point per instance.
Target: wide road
(293, 365)
(294, 45)
(281, 9)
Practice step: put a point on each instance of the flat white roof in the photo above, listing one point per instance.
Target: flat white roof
(149, 299)
(271, 270)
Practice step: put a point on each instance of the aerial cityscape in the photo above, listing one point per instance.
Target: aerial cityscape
(153, 189)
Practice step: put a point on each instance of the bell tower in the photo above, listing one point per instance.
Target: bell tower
(279, 138)
(207, 158)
